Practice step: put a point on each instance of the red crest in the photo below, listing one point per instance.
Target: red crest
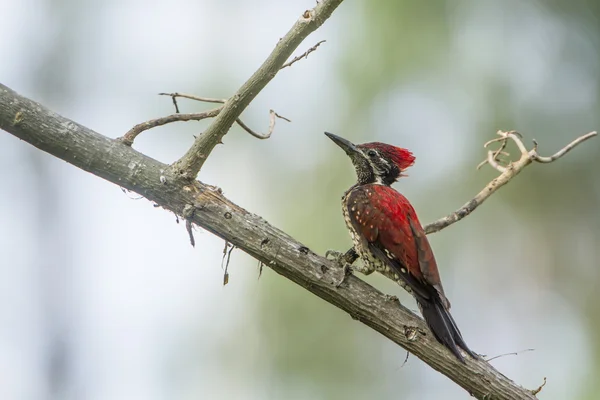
(403, 158)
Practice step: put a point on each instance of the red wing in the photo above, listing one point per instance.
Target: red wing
(389, 224)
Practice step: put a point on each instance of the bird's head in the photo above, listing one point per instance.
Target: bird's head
(375, 162)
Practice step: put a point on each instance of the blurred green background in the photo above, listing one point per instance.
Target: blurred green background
(105, 299)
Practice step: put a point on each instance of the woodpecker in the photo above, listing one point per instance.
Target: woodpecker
(389, 238)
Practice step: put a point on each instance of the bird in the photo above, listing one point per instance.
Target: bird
(389, 238)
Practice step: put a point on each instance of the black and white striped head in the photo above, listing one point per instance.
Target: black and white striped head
(375, 162)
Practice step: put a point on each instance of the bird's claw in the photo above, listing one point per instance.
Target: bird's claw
(344, 260)
(346, 271)
(333, 255)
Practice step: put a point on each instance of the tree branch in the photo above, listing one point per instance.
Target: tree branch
(205, 206)
(190, 164)
(507, 172)
(272, 114)
(131, 134)
(303, 55)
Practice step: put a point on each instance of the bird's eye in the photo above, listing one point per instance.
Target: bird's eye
(371, 153)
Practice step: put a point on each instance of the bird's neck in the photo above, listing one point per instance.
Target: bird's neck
(377, 182)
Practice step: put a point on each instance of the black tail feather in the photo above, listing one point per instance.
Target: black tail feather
(444, 328)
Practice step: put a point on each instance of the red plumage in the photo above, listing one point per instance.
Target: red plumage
(403, 158)
(389, 238)
(385, 216)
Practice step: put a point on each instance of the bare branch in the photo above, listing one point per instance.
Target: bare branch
(192, 97)
(239, 121)
(303, 55)
(507, 172)
(206, 206)
(562, 151)
(130, 136)
(190, 164)
(272, 116)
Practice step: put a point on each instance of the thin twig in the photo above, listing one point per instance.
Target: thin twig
(539, 389)
(515, 353)
(564, 150)
(193, 97)
(492, 159)
(239, 121)
(174, 99)
(188, 166)
(130, 136)
(507, 172)
(303, 55)
(225, 260)
(272, 116)
(405, 359)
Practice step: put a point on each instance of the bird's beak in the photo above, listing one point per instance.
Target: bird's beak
(346, 145)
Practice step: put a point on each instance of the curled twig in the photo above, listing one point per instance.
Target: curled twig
(527, 156)
(303, 55)
(272, 116)
(562, 151)
(539, 389)
(508, 170)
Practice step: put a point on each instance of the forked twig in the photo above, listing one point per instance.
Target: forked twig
(272, 114)
(130, 136)
(508, 170)
(303, 55)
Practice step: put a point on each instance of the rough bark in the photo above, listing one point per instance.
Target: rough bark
(205, 206)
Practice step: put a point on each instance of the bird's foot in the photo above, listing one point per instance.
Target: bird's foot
(349, 257)
(342, 260)
(334, 255)
(346, 271)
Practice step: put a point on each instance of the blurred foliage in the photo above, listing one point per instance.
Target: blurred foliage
(394, 45)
